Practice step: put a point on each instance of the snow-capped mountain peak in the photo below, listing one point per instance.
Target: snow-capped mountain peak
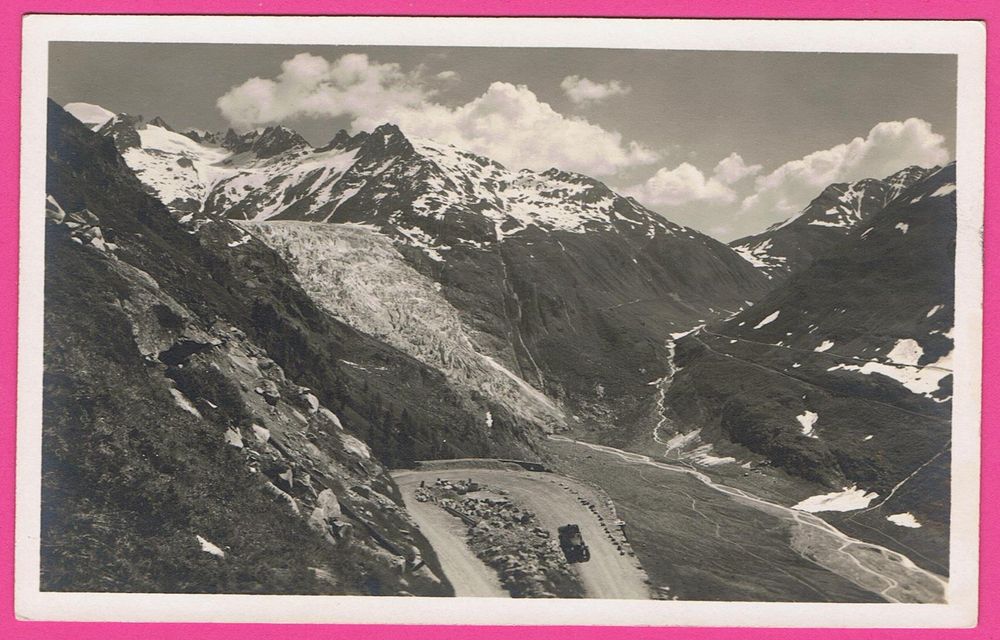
(409, 187)
(838, 210)
(92, 115)
(276, 140)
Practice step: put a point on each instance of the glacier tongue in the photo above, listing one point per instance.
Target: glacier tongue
(356, 274)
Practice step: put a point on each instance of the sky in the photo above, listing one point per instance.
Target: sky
(724, 142)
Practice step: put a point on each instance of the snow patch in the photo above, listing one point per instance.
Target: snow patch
(906, 351)
(902, 226)
(768, 320)
(824, 223)
(808, 420)
(208, 547)
(825, 346)
(703, 456)
(905, 519)
(921, 380)
(935, 309)
(850, 499)
(184, 403)
(943, 191)
(681, 440)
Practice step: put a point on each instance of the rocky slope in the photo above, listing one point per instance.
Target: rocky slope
(568, 286)
(793, 244)
(202, 414)
(842, 375)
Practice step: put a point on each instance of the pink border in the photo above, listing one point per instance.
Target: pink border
(10, 37)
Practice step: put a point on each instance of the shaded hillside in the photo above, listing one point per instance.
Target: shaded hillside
(206, 421)
(842, 375)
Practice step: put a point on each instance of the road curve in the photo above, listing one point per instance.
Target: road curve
(555, 500)
(870, 566)
(468, 575)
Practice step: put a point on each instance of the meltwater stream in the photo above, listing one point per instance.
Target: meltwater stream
(872, 567)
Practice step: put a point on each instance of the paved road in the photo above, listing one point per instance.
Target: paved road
(555, 500)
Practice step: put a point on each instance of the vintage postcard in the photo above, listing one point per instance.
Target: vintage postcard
(500, 321)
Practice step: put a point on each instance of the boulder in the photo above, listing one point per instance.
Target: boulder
(233, 438)
(82, 218)
(269, 390)
(281, 496)
(331, 416)
(53, 212)
(271, 369)
(322, 575)
(311, 401)
(262, 433)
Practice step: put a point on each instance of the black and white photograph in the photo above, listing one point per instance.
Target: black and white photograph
(614, 312)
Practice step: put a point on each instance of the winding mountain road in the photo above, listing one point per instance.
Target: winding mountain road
(877, 569)
(556, 500)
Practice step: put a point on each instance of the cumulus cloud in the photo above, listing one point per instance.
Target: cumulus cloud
(888, 147)
(686, 184)
(309, 85)
(582, 91)
(507, 122)
(733, 168)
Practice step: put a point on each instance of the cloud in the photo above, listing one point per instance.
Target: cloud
(682, 185)
(507, 123)
(686, 184)
(888, 147)
(732, 169)
(311, 86)
(582, 91)
(447, 75)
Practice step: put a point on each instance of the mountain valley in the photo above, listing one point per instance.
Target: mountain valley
(290, 323)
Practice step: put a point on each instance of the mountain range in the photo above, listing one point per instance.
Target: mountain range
(382, 299)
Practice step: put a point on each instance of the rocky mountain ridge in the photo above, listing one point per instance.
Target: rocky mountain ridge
(791, 245)
(556, 279)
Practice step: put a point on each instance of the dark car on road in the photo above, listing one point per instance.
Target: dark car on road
(571, 542)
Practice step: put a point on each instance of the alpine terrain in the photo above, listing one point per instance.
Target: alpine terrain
(385, 365)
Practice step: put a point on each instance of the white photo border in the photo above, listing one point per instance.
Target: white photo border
(966, 39)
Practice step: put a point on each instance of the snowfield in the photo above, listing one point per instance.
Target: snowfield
(850, 499)
(92, 115)
(924, 380)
